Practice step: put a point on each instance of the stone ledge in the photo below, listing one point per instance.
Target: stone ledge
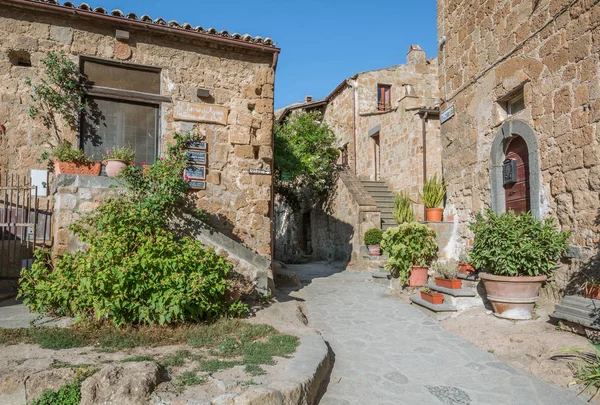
(454, 293)
(415, 299)
(580, 310)
(76, 180)
(300, 383)
(468, 277)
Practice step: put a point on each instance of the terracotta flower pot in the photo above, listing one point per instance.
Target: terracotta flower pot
(455, 284)
(592, 291)
(86, 169)
(512, 297)
(432, 297)
(466, 268)
(434, 214)
(418, 276)
(374, 250)
(114, 167)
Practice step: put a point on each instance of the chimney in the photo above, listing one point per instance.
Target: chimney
(308, 99)
(415, 56)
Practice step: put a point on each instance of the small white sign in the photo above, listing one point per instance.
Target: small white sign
(259, 171)
(447, 114)
(39, 178)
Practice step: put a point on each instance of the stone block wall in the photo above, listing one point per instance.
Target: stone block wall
(550, 50)
(238, 78)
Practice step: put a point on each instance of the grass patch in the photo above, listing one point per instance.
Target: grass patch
(189, 378)
(212, 366)
(137, 358)
(176, 359)
(254, 370)
(69, 394)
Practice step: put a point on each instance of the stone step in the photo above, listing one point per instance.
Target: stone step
(367, 182)
(469, 277)
(7, 295)
(463, 292)
(437, 312)
(579, 310)
(384, 204)
(387, 226)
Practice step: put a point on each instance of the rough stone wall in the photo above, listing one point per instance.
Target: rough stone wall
(238, 79)
(550, 48)
(401, 145)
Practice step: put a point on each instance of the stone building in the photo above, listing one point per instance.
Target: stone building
(382, 119)
(149, 79)
(523, 79)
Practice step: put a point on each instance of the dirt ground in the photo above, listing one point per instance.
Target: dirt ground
(526, 345)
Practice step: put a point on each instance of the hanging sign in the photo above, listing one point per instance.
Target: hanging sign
(447, 114)
(196, 157)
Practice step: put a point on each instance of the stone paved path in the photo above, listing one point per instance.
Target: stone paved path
(388, 353)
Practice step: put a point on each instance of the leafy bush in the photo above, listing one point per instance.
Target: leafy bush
(373, 236)
(134, 270)
(434, 191)
(66, 152)
(585, 366)
(403, 208)
(445, 269)
(124, 153)
(305, 148)
(69, 394)
(410, 244)
(516, 245)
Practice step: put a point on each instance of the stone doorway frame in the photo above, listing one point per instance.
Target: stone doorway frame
(508, 130)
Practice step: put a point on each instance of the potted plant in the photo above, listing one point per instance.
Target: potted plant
(592, 289)
(518, 252)
(411, 247)
(372, 240)
(117, 159)
(464, 264)
(445, 274)
(403, 208)
(70, 160)
(434, 191)
(432, 296)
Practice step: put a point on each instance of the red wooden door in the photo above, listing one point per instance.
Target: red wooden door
(518, 194)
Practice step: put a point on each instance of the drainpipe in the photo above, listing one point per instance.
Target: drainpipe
(424, 119)
(353, 85)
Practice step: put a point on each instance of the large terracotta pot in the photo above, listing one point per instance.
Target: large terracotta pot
(374, 250)
(418, 276)
(434, 214)
(114, 167)
(89, 169)
(512, 297)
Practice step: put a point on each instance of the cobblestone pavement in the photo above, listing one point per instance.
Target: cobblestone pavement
(387, 352)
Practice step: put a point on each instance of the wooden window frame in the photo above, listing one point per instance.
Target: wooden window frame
(384, 97)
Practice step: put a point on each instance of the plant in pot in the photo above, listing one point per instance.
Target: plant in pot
(431, 296)
(434, 191)
(411, 247)
(591, 289)
(71, 160)
(464, 264)
(518, 252)
(117, 159)
(373, 240)
(446, 274)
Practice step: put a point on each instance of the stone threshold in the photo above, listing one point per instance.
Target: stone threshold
(463, 292)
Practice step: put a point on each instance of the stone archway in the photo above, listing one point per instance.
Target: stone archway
(507, 132)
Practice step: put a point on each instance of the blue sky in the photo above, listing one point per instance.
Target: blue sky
(322, 42)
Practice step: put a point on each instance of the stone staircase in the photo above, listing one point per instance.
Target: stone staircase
(455, 301)
(384, 199)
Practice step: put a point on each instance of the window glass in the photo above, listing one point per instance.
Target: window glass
(384, 99)
(516, 104)
(121, 123)
(122, 77)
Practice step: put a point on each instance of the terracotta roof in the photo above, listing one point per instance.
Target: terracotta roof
(146, 19)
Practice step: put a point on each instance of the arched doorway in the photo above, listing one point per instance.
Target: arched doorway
(515, 169)
(517, 187)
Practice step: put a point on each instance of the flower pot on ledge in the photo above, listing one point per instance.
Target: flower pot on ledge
(434, 214)
(455, 284)
(418, 276)
(86, 169)
(115, 167)
(432, 297)
(374, 250)
(466, 268)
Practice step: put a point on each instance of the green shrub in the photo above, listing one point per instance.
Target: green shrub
(410, 244)
(69, 394)
(434, 191)
(447, 269)
(373, 236)
(134, 270)
(124, 153)
(66, 152)
(403, 208)
(516, 245)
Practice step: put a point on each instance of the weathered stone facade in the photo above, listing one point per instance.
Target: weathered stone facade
(549, 51)
(236, 74)
(384, 144)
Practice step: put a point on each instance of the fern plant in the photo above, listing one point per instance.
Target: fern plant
(434, 191)
(403, 208)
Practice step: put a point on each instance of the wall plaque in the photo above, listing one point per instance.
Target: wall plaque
(196, 112)
(509, 172)
(197, 145)
(196, 157)
(197, 185)
(259, 171)
(196, 172)
(447, 114)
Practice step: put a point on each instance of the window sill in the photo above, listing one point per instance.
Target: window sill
(377, 112)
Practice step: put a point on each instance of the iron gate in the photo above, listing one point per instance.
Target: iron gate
(22, 228)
